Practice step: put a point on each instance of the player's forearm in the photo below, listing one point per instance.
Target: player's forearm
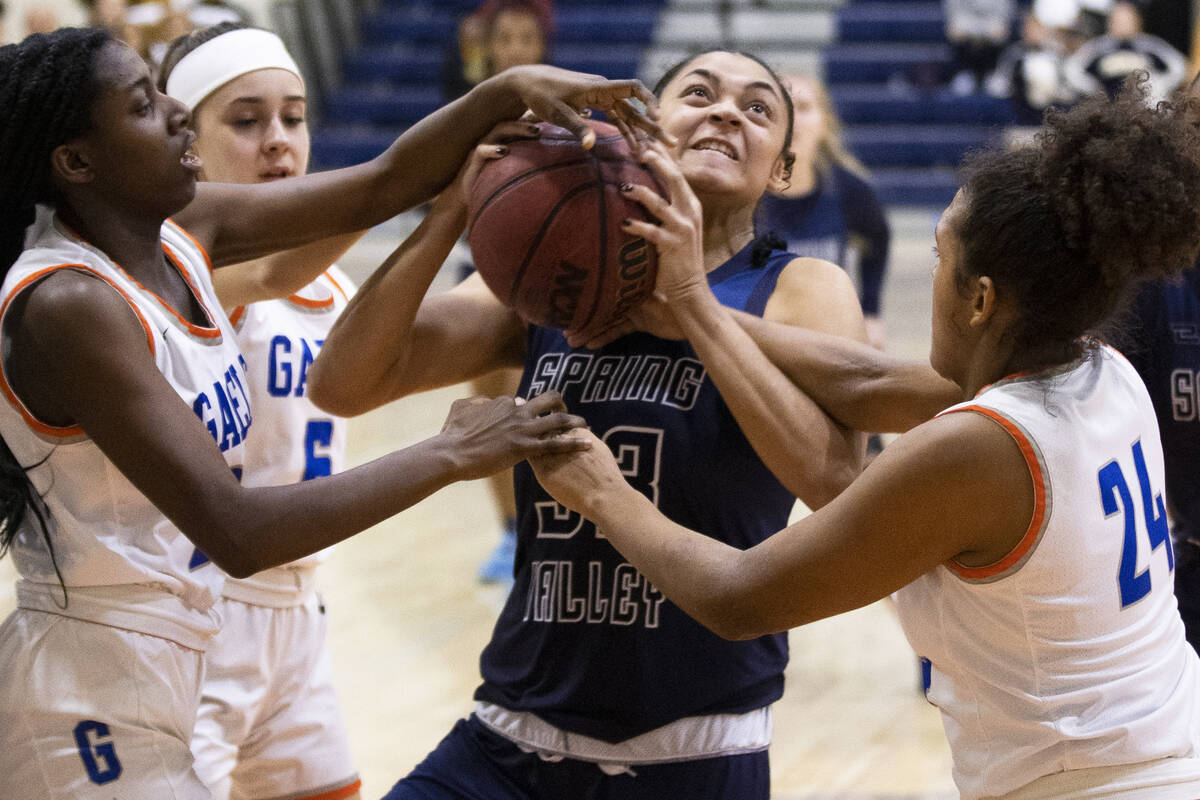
(810, 453)
(265, 527)
(366, 354)
(701, 575)
(860, 387)
(280, 274)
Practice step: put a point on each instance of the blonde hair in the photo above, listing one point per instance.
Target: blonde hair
(831, 150)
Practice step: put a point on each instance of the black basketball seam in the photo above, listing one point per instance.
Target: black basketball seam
(603, 263)
(537, 170)
(537, 240)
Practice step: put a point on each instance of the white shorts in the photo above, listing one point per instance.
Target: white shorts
(1163, 779)
(91, 712)
(269, 724)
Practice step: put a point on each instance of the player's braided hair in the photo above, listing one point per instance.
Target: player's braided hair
(1108, 194)
(47, 88)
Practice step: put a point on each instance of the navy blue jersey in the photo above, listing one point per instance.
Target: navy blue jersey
(585, 641)
(841, 221)
(1163, 342)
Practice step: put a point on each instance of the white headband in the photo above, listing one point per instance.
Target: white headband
(219, 60)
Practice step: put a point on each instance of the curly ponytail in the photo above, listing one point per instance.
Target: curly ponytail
(1108, 194)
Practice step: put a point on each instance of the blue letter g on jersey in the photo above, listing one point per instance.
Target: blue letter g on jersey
(99, 757)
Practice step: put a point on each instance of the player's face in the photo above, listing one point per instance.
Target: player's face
(137, 150)
(253, 129)
(516, 39)
(950, 307)
(809, 119)
(730, 117)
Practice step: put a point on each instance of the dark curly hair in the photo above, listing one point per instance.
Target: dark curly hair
(1108, 195)
(48, 86)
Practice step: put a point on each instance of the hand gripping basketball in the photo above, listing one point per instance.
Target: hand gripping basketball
(545, 229)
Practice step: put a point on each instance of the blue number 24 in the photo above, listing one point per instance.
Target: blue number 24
(1113, 488)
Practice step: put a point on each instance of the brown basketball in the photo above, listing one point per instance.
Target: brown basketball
(545, 230)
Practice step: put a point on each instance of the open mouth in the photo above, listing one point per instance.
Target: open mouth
(275, 174)
(716, 146)
(191, 161)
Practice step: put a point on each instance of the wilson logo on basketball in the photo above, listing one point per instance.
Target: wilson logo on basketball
(565, 294)
(634, 270)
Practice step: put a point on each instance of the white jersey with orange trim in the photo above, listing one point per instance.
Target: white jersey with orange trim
(123, 562)
(293, 440)
(1069, 653)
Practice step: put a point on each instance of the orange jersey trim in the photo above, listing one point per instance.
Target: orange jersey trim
(237, 314)
(335, 794)
(1022, 548)
(304, 302)
(213, 332)
(30, 420)
(204, 333)
(337, 285)
(192, 239)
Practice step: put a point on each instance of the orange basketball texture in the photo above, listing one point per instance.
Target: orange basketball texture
(545, 230)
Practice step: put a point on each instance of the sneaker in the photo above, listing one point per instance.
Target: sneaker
(498, 568)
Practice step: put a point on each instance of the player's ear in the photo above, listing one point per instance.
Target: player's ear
(72, 162)
(781, 173)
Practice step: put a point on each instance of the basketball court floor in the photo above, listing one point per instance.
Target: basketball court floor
(408, 619)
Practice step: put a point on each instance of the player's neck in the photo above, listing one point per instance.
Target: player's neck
(725, 234)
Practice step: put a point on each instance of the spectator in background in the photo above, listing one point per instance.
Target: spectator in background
(159, 22)
(111, 16)
(1030, 72)
(40, 19)
(977, 30)
(1102, 65)
(829, 210)
(497, 35)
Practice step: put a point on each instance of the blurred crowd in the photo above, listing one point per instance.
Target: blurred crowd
(1055, 52)
(149, 25)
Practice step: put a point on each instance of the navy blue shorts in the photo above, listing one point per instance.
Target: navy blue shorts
(472, 763)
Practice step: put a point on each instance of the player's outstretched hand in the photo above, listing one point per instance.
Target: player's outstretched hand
(559, 96)
(490, 147)
(488, 435)
(582, 479)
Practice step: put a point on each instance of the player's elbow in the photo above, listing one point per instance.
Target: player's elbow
(331, 394)
(732, 608)
(738, 622)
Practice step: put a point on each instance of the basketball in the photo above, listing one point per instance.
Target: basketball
(545, 230)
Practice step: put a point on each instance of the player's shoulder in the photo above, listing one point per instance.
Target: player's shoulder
(813, 277)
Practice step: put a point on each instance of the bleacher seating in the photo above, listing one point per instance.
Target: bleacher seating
(394, 78)
(886, 77)
(884, 60)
